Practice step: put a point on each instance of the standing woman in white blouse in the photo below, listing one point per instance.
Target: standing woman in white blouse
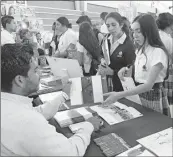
(68, 38)
(150, 68)
(165, 25)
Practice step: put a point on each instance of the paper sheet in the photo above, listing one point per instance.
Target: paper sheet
(159, 143)
(136, 151)
(86, 114)
(101, 109)
(76, 92)
(111, 118)
(127, 85)
(97, 89)
(120, 105)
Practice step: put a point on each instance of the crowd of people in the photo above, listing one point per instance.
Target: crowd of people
(142, 49)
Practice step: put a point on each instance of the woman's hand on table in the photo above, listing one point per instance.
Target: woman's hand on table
(112, 98)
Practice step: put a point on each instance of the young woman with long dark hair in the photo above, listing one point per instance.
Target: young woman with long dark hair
(150, 68)
(91, 49)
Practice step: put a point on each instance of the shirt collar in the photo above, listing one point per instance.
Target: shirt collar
(19, 99)
(7, 31)
(120, 40)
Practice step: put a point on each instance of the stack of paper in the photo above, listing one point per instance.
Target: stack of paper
(116, 113)
(66, 118)
(159, 143)
(136, 151)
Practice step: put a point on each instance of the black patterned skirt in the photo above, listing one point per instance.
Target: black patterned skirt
(168, 85)
(156, 99)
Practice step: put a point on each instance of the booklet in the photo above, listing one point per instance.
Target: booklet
(116, 113)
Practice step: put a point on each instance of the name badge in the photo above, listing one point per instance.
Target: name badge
(120, 54)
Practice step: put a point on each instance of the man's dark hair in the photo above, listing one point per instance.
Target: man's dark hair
(164, 20)
(15, 60)
(6, 19)
(103, 15)
(84, 18)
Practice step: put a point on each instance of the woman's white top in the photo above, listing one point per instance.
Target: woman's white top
(67, 38)
(152, 58)
(167, 41)
(87, 58)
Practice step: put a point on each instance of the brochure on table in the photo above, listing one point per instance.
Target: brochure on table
(159, 143)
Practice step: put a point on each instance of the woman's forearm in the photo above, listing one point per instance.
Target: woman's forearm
(137, 90)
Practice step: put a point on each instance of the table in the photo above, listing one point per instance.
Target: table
(131, 130)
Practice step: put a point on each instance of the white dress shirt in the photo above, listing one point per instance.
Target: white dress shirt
(167, 41)
(7, 37)
(26, 132)
(104, 29)
(152, 58)
(69, 37)
(87, 58)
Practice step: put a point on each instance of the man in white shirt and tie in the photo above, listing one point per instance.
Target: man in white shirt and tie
(9, 26)
(25, 130)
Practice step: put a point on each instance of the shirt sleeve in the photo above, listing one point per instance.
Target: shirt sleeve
(42, 139)
(159, 56)
(49, 109)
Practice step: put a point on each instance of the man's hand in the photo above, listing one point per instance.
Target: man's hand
(96, 122)
(67, 87)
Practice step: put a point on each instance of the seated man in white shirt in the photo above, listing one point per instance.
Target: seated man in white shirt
(9, 26)
(103, 28)
(25, 130)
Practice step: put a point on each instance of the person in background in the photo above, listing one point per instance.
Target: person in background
(28, 126)
(67, 40)
(103, 28)
(150, 67)
(55, 40)
(118, 50)
(25, 36)
(3, 10)
(165, 25)
(127, 22)
(97, 32)
(11, 11)
(89, 46)
(9, 26)
(40, 42)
